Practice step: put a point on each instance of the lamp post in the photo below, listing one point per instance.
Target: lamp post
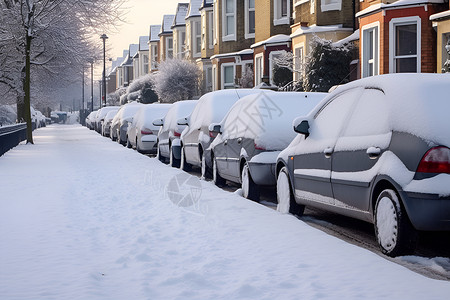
(104, 37)
(92, 84)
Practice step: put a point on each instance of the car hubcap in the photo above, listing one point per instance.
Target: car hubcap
(387, 223)
(283, 193)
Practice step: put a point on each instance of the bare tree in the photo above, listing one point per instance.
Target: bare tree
(41, 39)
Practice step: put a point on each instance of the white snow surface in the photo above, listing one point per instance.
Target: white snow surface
(80, 231)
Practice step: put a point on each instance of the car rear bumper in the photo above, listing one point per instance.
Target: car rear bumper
(262, 173)
(427, 212)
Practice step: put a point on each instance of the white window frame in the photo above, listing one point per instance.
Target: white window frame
(364, 64)
(229, 37)
(167, 47)
(153, 56)
(196, 49)
(300, 2)
(214, 78)
(145, 63)
(271, 64)
(180, 43)
(445, 38)
(277, 18)
(249, 35)
(329, 5)
(222, 75)
(211, 40)
(203, 21)
(404, 21)
(312, 8)
(298, 74)
(216, 21)
(258, 79)
(209, 80)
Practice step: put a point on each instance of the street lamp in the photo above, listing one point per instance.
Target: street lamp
(91, 61)
(104, 37)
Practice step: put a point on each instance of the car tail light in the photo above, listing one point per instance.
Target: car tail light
(176, 133)
(144, 132)
(213, 134)
(436, 160)
(258, 147)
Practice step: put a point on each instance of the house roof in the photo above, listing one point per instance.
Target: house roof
(352, 37)
(143, 43)
(180, 16)
(123, 59)
(242, 52)
(400, 3)
(441, 15)
(166, 24)
(316, 29)
(133, 49)
(154, 31)
(279, 38)
(194, 8)
(206, 3)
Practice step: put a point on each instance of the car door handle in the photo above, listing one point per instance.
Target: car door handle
(239, 140)
(373, 152)
(328, 151)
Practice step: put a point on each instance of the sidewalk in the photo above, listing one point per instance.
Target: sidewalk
(82, 217)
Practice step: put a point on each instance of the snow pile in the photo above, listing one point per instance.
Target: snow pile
(99, 221)
(8, 114)
(147, 113)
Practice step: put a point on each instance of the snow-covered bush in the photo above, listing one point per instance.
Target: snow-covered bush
(8, 114)
(327, 65)
(246, 80)
(114, 98)
(177, 79)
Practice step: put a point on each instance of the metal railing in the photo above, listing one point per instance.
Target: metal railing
(11, 136)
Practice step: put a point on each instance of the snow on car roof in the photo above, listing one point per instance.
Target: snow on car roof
(417, 103)
(150, 112)
(178, 110)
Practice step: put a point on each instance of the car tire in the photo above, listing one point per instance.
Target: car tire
(158, 154)
(206, 172)
(394, 232)
(137, 146)
(129, 143)
(250, 189)
(183, 164)
(175, 163)
(217, 179)
(285, 196)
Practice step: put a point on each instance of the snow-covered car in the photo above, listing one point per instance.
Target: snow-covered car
(90, 120)
(170, 132)
(211, 108)
(100, 116)
(141, 132)
(119, 124)
(106, 125)
(376, 149)
(251, 136)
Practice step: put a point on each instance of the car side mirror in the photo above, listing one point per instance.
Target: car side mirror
(158, 122)
(214, 129)
(183, 121)
(302, 128)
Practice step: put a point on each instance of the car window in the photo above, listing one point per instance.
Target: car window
(370, 116)
(332, 117)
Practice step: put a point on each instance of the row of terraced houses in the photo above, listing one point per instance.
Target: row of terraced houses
(225, 37)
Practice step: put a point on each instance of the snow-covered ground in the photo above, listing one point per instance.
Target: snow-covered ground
(84, 218)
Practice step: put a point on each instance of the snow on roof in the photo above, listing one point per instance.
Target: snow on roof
(194, 6)
(352, 37)
(124, 59)
(166, 24)
(315, 29)
(440, 15)
(180, 16)
(154, 31)
(242, 52)
(143, 43)
(399, 3)
(133, 49)
(279, 38)
(206, 3)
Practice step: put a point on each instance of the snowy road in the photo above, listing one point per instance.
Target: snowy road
(84, 218)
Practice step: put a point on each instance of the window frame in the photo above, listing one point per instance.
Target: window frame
(229, 37)
(393, 23)
(225, 85)
(167, 47)
(196, 48)
(364, 65)
(247, 10)
(299, 73)
(332, 5)
(259, 56)
(278, 19)
(271, 64)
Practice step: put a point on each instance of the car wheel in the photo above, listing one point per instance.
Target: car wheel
(183, 164)
(173, 161)
(137, 146)
(394, 232)
(285, 197)
(250, 189)
(206, 172)
(128, 143)
(218, 180)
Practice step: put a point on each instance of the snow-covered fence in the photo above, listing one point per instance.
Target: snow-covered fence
(11, 136)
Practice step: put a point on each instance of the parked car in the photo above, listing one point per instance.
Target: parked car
(119, 124)
(211, 108)
(376, 149)
(169, 133)
(251, 136)
(141, 133)
(106, 125)
(100, 116)
(90, 120)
